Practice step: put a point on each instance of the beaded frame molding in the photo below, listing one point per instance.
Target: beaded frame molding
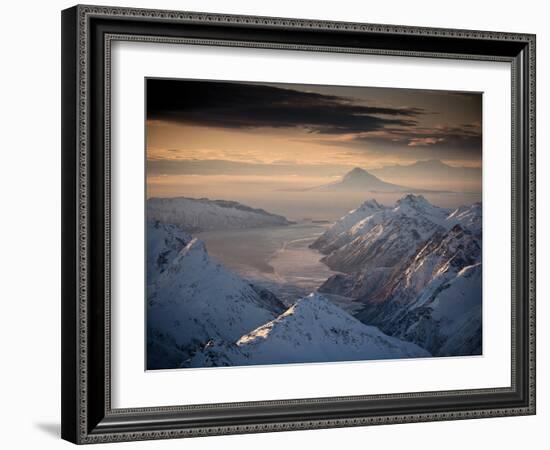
(87, 35)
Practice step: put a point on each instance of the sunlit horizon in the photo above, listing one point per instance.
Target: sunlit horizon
(259, 142)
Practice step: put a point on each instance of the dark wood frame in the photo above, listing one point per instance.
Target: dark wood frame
(87, 32)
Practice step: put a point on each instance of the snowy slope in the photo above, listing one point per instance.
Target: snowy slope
(312, 330)
(402, 263)
(447, 322)
(411, 281)
(164, 242)
(458, 309)
(388, 237)
(328, 241)
(440, 258)
(195, 299)
(467, 216)
(357, 285)
(373, 248)
(416, 205)
(360, 221)
(195, 215)
(435, 294)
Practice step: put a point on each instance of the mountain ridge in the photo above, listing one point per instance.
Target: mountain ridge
(195, 215)
(401, 264)
(312, 330)
(194, 298)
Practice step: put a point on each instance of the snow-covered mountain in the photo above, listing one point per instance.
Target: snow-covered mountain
(360, 221)
(328, 241)
(194, 215)
(403, 263)
(312, 330)
(385, 238)
(384, 245)
(417, 206)
(467, 216)
(445, 318)
(164, 242)
(410, 286)
(191, 299)
(457, 309)
(439, 259)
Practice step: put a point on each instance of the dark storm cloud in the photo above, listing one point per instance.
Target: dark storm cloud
(248, 105)
(444, 142)
(466, 137)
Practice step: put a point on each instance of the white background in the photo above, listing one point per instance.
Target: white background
(30, 225)
(132, 387)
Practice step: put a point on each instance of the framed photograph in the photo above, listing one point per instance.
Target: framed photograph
(279, 224)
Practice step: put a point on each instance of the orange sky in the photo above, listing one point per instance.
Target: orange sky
(228, 139)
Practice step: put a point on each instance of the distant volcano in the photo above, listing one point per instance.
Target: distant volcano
(361, 180)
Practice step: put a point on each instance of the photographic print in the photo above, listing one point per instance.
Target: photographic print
(293, 223)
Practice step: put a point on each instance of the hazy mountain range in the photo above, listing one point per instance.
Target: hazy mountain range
(359, 180)
(433, 174)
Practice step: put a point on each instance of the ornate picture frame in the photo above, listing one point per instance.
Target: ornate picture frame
(87, 36)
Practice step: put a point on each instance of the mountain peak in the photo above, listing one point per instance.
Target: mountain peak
(310, 309)
(311, 301)
(431, 163)
(195, 299)
(312, 330)
(417, 205)
(468, 216)
(411, 199)
(358, 179)
(306, 305)
(356, 170)
(357, 174)
(371, 204)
